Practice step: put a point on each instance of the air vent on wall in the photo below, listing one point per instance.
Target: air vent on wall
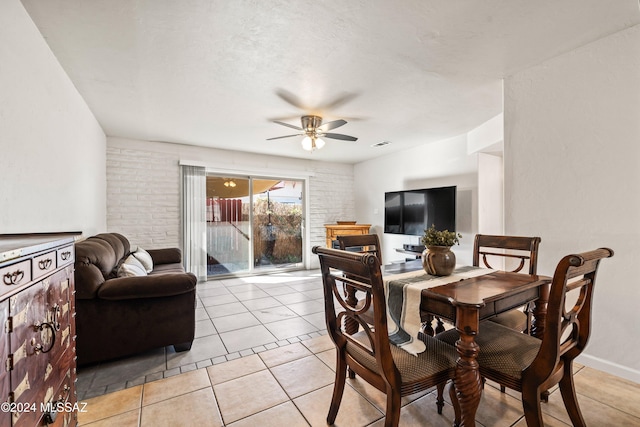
(380, 144)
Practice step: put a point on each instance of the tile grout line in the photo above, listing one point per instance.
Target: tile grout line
(133, 383)
(166, 373)
(212, 387)
(213, 391)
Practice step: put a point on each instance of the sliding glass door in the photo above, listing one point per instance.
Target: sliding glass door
(228, 224)
(277, 224)
(253, 224)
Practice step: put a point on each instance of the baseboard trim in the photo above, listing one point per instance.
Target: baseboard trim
(609, 367)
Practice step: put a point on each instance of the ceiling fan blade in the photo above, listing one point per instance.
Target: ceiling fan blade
(340, 136)
(284, 118)
(340, 100)
(286, 136)
(332, 125)
(288, 125)
(291, 99)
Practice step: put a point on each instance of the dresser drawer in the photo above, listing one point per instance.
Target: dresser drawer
(43, 264)
(65, 255)
(15, 275)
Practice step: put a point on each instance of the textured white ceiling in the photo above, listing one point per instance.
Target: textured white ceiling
(214, 73)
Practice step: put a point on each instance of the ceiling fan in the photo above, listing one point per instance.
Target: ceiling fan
(312, 129)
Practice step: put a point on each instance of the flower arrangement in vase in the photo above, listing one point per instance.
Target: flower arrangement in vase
(437, 258)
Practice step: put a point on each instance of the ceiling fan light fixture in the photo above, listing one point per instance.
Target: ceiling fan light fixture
(311, 143)
(312, 129)
(308, 143)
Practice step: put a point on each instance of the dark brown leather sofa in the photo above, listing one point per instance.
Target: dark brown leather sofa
(121, 316)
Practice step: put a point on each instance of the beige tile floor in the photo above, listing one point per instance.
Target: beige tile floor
(262, 358)
(291, 386)
(235, 317)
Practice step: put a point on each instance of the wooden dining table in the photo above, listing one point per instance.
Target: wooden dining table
(465, 303)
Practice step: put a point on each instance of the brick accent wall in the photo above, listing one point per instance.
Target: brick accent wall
(331, 199)
(143, 197)
(143, 188)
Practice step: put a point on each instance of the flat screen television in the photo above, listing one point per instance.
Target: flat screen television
(410, 212)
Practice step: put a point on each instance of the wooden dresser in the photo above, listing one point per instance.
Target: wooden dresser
(346, 229)
(37, 342)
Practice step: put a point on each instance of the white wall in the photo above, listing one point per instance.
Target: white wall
(490, 194)
(488, 141)
(436, 164)
(488, 137)
(53, 150)
(572, 176)
(143, 186)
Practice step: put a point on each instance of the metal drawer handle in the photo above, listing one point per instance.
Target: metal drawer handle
(39, 348)
(13, 278)
(45, 264)
(53, 326)
(65, 255)
(55, 316)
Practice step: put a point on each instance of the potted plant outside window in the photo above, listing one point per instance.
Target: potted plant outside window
(437, 258)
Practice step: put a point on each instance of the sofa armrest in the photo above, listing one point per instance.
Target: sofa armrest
(162, 285)
(166, 256)
(88, 279)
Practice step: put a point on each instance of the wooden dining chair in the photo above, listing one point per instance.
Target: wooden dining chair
(361, 243)
(530, 365)
(368, 352)
(507, 253)
(514, 252)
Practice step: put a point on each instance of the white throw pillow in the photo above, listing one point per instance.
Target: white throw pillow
(144, 258)
(131, 267)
